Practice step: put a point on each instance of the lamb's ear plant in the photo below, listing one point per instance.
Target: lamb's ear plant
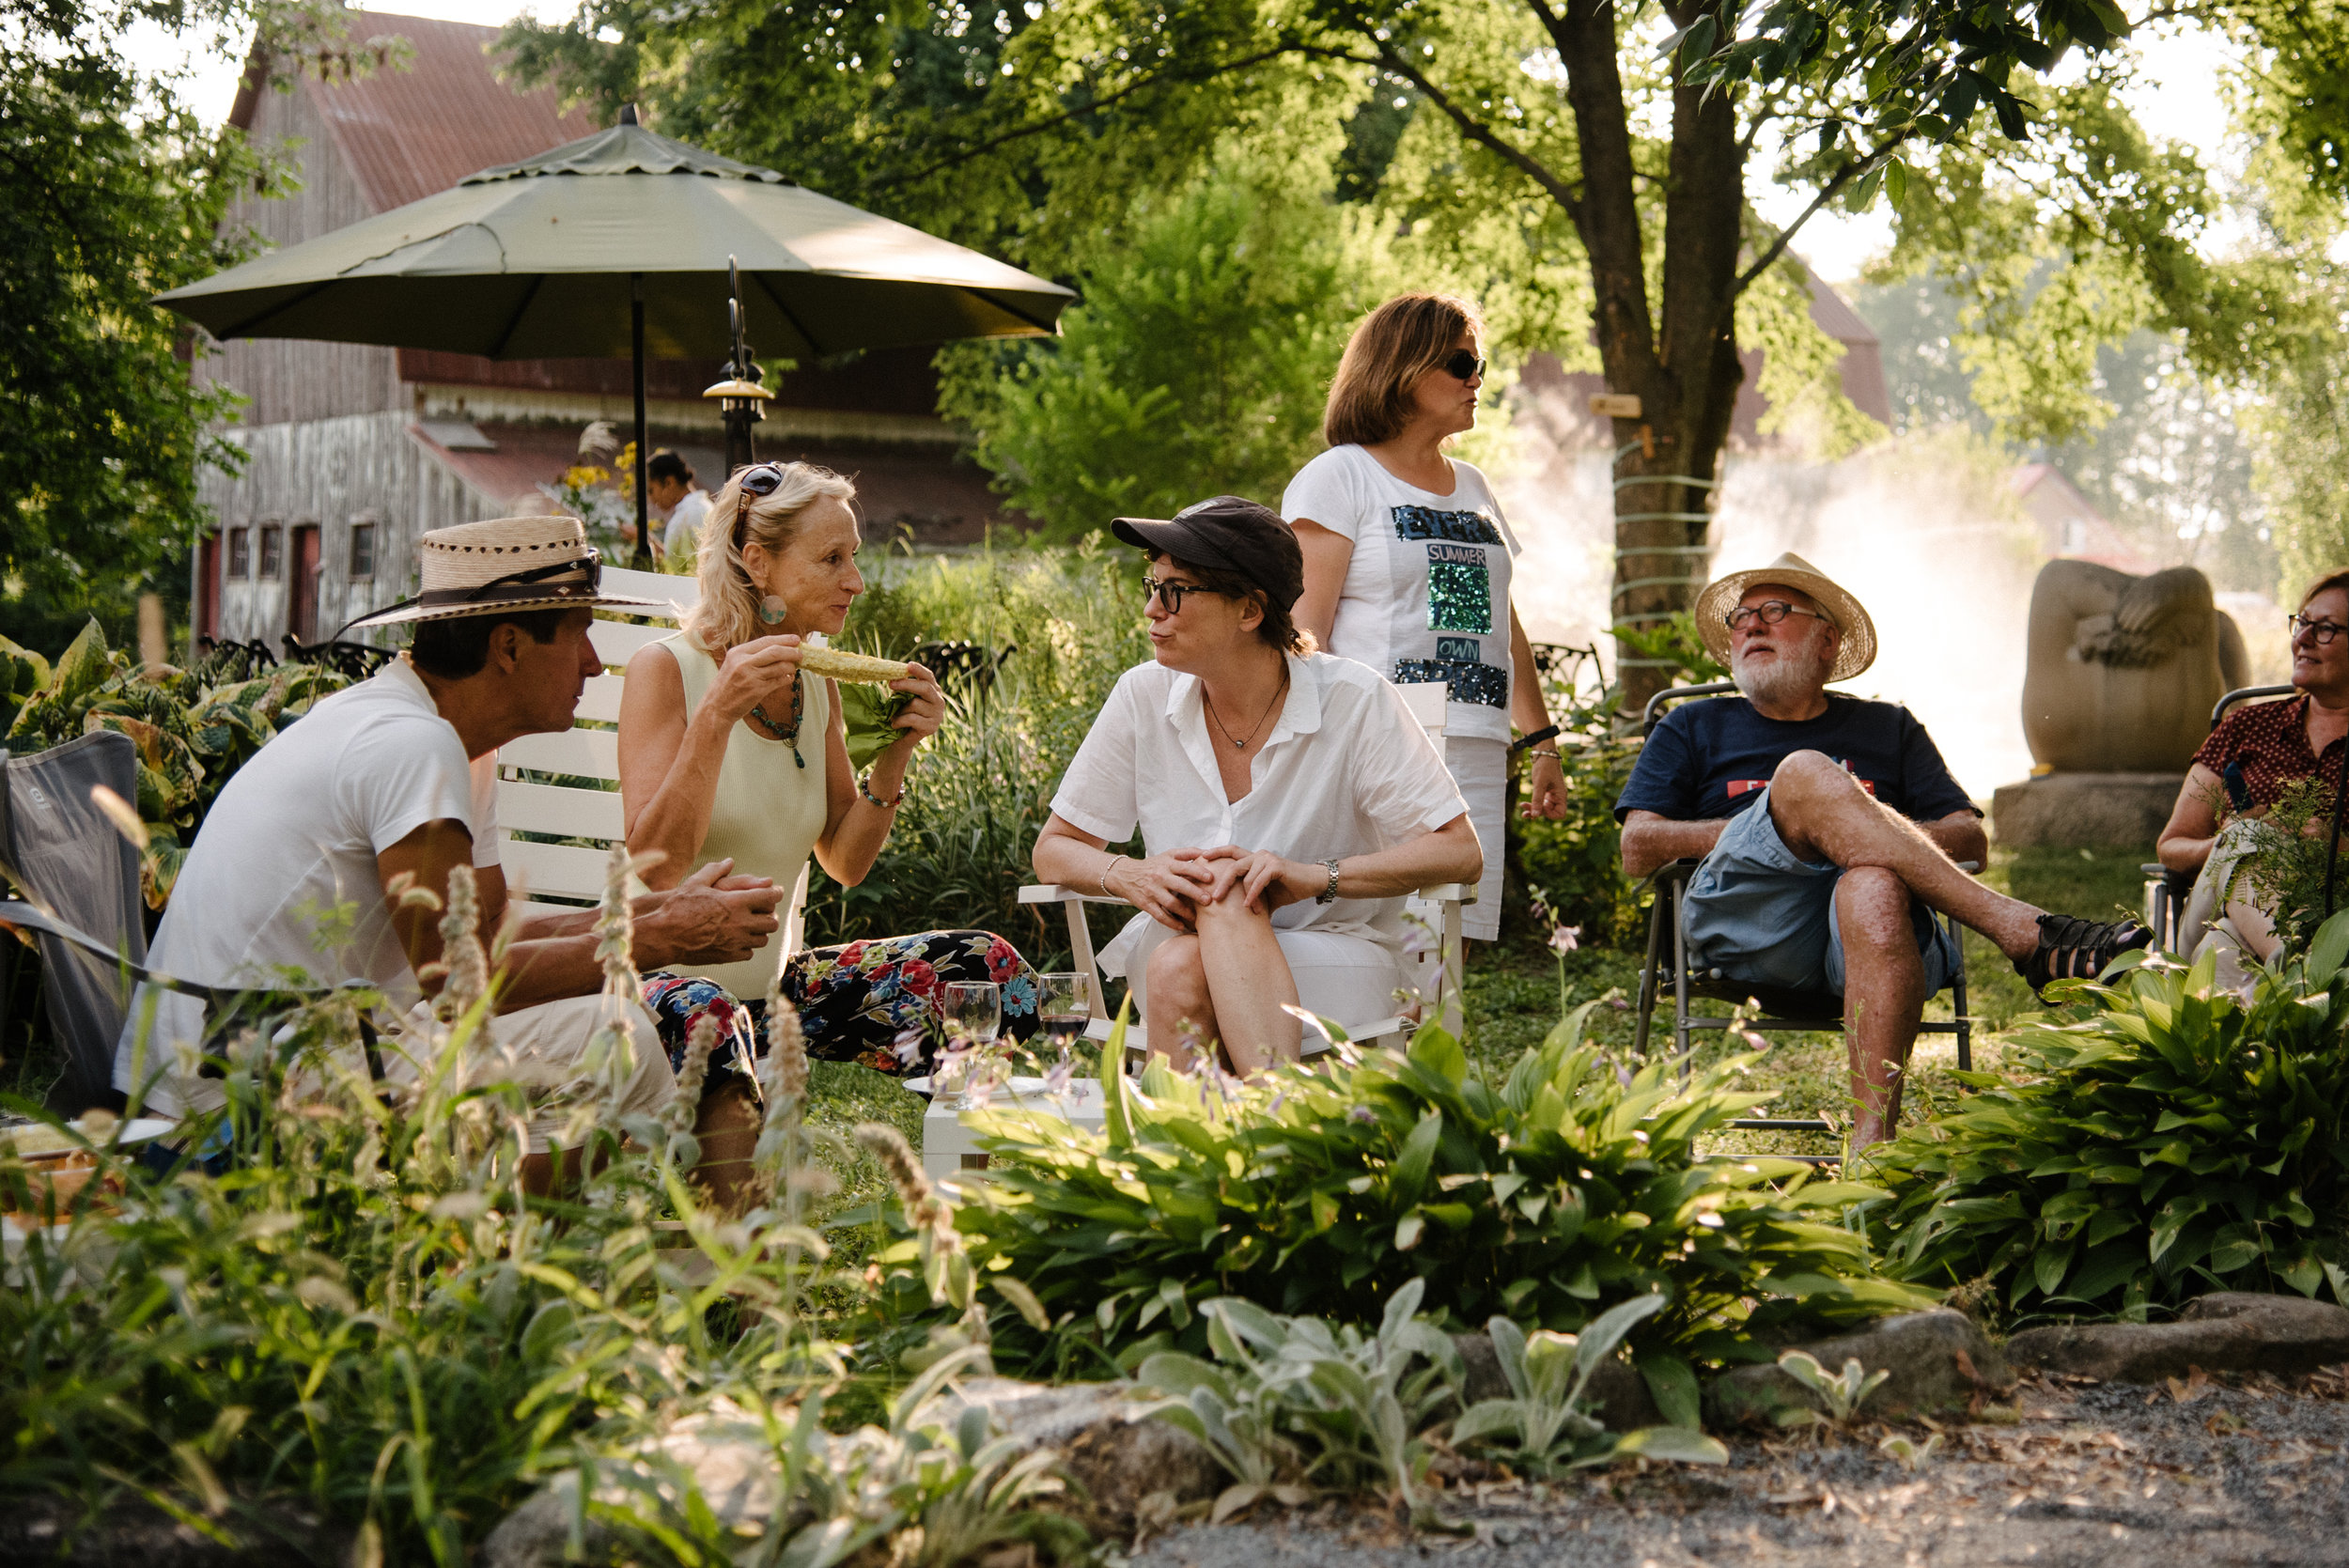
(1546, 1425)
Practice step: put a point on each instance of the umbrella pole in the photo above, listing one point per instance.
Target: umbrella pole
(642, 560)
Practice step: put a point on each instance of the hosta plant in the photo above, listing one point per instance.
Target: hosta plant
(2177, 1140)
(1574, 1185)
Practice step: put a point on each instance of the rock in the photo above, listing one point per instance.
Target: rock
(2072, 811)
(2225, 1331)
(1621, 1395)
(726, 1450)
(1114, 1455)
(1939, 1360)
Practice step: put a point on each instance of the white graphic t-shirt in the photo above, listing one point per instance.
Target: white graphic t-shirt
(1426, 592)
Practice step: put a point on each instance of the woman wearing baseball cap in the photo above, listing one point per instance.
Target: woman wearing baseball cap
(1286, 801)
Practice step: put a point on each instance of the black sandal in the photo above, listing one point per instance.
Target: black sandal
(2071, 948)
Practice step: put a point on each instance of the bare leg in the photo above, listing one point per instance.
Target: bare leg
(1178, 995)
(727, 1129)
(2254, 927)
(1884, 995)
(1822, 814)
(1251, 983)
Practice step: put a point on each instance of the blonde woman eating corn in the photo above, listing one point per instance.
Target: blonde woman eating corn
(731, 750)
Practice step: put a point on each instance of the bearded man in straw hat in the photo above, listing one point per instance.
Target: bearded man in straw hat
(1828, 829)
(392, 783)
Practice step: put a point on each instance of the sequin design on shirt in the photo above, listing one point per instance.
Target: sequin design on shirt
(1460, 528)
(1466, 683)
(1459, 589)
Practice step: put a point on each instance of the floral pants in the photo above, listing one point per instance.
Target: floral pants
(874, 1003)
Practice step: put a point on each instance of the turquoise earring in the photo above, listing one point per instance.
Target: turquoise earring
(772, 610)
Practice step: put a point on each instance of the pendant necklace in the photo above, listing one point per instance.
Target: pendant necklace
(1241, 742)
(792, 734)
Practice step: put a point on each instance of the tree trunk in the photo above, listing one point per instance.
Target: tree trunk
(1682, 367)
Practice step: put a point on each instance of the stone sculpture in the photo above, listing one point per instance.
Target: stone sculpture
(2119, 681)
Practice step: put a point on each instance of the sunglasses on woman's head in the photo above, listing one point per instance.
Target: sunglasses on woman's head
(1464, 365)
(761, 478)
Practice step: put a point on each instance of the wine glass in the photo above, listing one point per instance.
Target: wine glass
(1064, 1003)
(974, 1010)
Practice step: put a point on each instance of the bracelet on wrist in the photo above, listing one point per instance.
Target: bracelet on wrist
(1551, 755)
(865, 787)
(1107, 866)
(1529, 742)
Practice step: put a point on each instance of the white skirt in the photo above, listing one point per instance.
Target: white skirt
(1481, 768)
(1341, 976)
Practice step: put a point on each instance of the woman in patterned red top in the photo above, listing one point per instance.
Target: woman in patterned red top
(2254, 752)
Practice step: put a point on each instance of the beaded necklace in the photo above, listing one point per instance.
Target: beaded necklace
(780, 732)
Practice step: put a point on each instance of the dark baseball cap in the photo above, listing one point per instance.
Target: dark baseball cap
(1228, 533)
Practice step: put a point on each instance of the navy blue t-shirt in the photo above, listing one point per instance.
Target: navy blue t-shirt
(1710, 758)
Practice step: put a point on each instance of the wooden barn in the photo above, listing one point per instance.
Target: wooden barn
(352, 451)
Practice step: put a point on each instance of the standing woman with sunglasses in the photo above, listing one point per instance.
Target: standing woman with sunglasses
(1408, 559)
(729, 752)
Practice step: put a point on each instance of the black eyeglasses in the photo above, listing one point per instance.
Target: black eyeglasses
(1171, 593)
(1770, 611)
(2320, 633)
(1463, 366)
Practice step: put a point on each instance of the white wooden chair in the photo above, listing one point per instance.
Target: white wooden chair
(1435, 973)
(539, 787)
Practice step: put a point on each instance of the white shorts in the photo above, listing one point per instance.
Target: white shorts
(540, 1050)
(1481, 769)
(1350, 979)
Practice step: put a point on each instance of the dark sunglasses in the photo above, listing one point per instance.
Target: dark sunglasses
(761, 478)
(1463, 366)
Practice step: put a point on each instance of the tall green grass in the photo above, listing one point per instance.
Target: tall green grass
(979, 791)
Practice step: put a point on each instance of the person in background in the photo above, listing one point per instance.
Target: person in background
(1287, 802)
(729, 754)
(669, 485)
(1408, 560)
(2242, 767)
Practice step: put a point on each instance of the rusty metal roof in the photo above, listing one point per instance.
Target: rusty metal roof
(409, 132)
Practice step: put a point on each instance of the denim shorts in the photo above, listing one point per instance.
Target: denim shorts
(1761, 915)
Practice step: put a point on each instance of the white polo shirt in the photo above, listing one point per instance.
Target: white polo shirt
(1346, 771)
(281, 887)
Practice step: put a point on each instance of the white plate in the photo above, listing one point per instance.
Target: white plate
(146, 1130)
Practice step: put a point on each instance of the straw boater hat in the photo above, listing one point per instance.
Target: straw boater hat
(1721, 596)
(506, 564)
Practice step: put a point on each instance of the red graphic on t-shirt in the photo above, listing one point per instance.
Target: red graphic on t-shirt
(1746, 786)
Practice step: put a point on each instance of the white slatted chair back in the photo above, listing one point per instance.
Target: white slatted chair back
(1435, 973)
(584, 802)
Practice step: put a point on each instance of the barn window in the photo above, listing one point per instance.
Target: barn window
(240, 555)
(273, 551)
(361, 551)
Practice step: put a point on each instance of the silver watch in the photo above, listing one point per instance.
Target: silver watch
(1330, 894)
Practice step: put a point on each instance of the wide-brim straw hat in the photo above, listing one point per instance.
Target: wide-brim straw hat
(504, 566)
(1857, 649)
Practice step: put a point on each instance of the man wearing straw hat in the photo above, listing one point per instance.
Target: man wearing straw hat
(1827, 827)
(392, 784)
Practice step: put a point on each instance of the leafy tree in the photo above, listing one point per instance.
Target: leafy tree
(117, 193)
(1555, 162)
(1195, 366)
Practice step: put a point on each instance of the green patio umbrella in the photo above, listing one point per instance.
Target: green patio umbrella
(618, 245)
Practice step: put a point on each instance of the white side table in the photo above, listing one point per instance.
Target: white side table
(951, 1148)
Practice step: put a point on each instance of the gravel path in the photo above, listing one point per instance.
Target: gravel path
(2249, 1471)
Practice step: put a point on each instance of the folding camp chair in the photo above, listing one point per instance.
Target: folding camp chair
(2167, 890)
(1781, 1010)
(80, 881)
(1435, 975)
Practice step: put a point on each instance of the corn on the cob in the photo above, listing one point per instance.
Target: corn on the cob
(852, 666)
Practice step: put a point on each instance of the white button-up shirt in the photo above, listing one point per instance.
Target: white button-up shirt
(1346, 771)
